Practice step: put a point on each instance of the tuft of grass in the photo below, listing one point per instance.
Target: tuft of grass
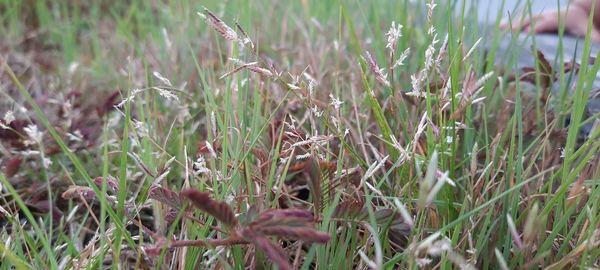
(294, 134)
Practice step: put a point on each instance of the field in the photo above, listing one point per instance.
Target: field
(291, 135)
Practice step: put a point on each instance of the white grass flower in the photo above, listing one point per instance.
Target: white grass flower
(336, 103)
(168, 95)
(9, 117)
(317, 139)
(304, 156)
(46, 162)
(293, 86)
(200, 166)
(374, 167)
(430, 7)
(393, 35)
(162, 78)
(472, 49)
(377, 72)
(483, 79)
(27, 153)
(335, 122)
(75, 136)
(140, 127)
(311, 82)
(316, 112)
(211, 150)
(429, 52)
(130, 98)
(283, 160)
(401, 58)
(431, 30)
(438, 247)
(34, 134)
(415, 80)
(72, 67)
(422, 262)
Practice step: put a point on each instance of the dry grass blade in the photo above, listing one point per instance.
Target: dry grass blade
(220, 210)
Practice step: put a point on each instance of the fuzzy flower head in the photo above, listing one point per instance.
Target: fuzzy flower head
(336, 103)
(220, 26)
(34, 134)
(200, 166)
(393, 35)
(379, 74)
(402, 58)
(9, 117)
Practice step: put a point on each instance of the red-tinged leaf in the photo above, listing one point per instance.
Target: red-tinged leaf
(111, 183)
(152, 250)
(220, 210)
(12, 166)
(283, 216)
(165, 196)
(296, 233)
(273, 252)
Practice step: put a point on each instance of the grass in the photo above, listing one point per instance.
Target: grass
(265, 134)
